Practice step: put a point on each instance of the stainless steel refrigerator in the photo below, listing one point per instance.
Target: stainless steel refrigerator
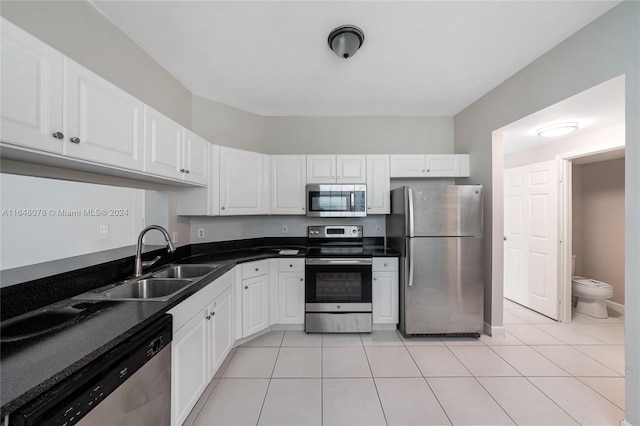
(437, 229)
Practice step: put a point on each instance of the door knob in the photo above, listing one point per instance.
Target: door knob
(74, 140)
(58, 135)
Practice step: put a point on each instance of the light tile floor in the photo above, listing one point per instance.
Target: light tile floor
(542, 373)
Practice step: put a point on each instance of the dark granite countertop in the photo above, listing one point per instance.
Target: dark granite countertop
(32, 366)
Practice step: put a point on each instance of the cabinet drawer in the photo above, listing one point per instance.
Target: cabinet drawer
(291, 265)
(255, 269)
(385, 264)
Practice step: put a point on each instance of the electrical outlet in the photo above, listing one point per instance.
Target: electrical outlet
(175, 237)
(104, 229)
(378, 229)
(200, 232)
(284, 229)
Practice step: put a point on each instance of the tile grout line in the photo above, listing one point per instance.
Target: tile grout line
(375, 384)
(270, 378)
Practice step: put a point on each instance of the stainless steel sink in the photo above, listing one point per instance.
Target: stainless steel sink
(149, 288)
(186, 271)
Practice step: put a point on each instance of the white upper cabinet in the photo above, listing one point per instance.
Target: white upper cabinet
(288, 182)
(436, 165)
(378, 184)
(203, 201)
(103, 123)
(195, 156)
(244, 182)
(31, 99)
(163, 140)
(336, 169)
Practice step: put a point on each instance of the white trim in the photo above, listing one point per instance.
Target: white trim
(384, 327)
(494, 331)
(625, 423)
(617, 307)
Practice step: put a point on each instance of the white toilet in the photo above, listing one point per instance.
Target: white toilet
(591, 295)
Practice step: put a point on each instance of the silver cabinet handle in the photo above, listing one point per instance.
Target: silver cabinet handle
(423, 170)
(213, 314)
(58, 135)
(74, 140)
(182, 170)
(246, 287)
(222, 208)
(208, 317)
(301, 279)
(428, 170)
(375, 279)
(187, 171)
(385, 265)
(257, 269)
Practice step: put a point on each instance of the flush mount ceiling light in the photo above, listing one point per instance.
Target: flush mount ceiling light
(559, 129)
(346, 40)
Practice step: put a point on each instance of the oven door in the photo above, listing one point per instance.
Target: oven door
(338, 284)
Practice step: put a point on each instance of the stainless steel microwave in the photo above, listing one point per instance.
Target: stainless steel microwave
(336, 200)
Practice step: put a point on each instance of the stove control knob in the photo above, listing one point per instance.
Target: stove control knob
(338, 306)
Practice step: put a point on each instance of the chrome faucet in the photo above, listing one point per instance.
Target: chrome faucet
(139, 262)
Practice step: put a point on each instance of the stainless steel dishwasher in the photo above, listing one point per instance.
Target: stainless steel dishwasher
(128, 385)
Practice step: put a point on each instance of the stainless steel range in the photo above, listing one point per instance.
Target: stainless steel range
(338, 281)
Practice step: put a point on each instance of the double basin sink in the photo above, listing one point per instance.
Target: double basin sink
(157, 286)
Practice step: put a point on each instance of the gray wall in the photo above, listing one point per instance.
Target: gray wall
(604, 49)
(359, 135)
(78, 30)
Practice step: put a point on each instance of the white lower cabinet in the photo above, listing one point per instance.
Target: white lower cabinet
(253, 298)
(200, 343)
(291, 291)
(385, 290)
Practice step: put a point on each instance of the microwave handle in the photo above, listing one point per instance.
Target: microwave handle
(353, 201)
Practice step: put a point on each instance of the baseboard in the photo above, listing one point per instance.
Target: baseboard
(616, 307)
(625, 423)
(287, 327)
(494, 331)
(385, 327)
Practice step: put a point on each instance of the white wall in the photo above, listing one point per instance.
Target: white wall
(26, 240)
(604, 49)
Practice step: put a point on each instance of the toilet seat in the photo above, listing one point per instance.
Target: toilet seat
(591, 296)
(590, 283)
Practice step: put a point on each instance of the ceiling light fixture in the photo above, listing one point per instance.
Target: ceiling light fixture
(346, 40)
(559, 129)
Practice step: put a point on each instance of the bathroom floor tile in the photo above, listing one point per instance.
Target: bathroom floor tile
(299, 363)
(580, 401)
(409, 401)
(300, 338)
(292, 402)
(391, 362)
(466, 402)
(611, 334)
(574, 362)
(234, 402)
(525, 403)
(252, 362)
(348, 402)
(611, 388)
(345, 362)
(435, 361)
(528, 362)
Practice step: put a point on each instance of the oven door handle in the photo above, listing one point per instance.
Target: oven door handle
(338, 261)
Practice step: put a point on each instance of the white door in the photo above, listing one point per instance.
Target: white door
(378, 184)
(31, 108)
(163, 140)
(291, 298)
(407, 165)
(442, 165)
(255, 305)
(196, 158)
(244, 180)
(351, 169)
(221, 330)
(321, 168)
(531, 237)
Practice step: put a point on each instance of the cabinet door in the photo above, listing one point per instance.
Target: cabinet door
(321, 168)
(351, 169)
(385, 297)
(443, 165)
(203, 201)
(189, 360)
(31, 100)
(288, 181)
(103, 123)
(255, 305)
(195, 155)
(291, 297)
(410, 165)
(221, 329)
(243, 182)
(378, 184)
(163, 139)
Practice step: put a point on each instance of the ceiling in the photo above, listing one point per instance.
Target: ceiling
(594, 109)
(418, 58)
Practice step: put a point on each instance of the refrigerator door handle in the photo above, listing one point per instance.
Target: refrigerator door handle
(410, 211)
(411, 250)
